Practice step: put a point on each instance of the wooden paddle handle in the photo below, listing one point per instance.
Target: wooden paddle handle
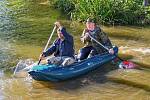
(47, 43)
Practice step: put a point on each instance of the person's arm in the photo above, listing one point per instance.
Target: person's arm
(102, 36)
(50, 50)
(84, 37)
(104, 40)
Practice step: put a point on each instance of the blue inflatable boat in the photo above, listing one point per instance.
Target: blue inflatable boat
(50, 72)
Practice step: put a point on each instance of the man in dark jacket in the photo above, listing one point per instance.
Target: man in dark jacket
(62, 48)
(92, 48)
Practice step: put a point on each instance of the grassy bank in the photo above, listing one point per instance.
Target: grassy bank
(130, 12)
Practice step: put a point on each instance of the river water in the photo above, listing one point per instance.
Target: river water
(24, 30)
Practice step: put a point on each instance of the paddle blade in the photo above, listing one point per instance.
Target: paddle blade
(22, 65)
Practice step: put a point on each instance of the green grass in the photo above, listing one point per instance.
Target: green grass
(130, 12)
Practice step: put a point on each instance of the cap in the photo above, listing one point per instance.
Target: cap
(92, 20)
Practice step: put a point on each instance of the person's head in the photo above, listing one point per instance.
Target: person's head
(90, 24)
(60, 34)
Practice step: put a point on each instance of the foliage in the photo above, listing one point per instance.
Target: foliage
(105, 11)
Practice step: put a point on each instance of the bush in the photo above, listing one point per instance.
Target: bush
(105, 11)
(66, 6)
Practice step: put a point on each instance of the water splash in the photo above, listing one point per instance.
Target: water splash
(23, 64)
(142, 50)
(1, 73)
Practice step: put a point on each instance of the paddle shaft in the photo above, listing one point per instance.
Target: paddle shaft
(48, 42)
(103, 46)
(98, 43)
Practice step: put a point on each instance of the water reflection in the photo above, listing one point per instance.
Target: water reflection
(20, 89)
(5, 55)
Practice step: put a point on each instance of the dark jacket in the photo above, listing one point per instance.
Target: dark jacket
(100, 36)
(62, 48)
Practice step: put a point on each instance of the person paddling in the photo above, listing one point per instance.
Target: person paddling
(62, 48)
(91, 48)
(97, 42)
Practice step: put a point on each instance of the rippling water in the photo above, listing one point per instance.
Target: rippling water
(24, 29)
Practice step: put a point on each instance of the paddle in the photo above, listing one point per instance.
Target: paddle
(124, 64)
(47, 44)
(23, 68)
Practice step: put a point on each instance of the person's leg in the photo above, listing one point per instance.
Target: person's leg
(68, 61)
(92, 53)
(84, 52)
(55, 60)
